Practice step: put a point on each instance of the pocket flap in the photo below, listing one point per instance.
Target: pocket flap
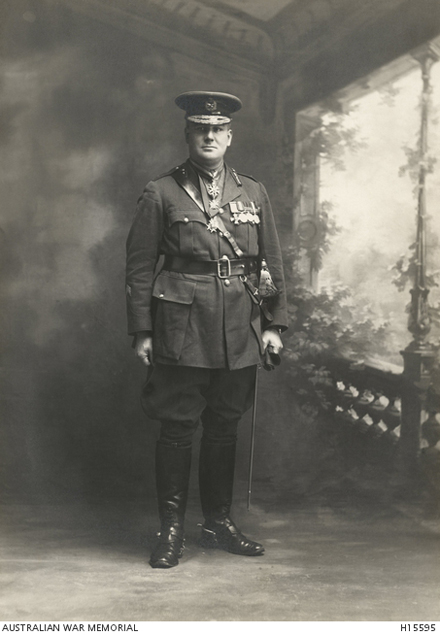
(179, 216)
(174, 289)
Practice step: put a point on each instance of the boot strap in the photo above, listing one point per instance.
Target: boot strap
(171, 534)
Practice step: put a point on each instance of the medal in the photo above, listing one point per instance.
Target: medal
(212, 225)
(213, 189)
(244, 213)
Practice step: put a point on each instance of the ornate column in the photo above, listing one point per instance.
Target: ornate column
(306, 184)
(419, 356)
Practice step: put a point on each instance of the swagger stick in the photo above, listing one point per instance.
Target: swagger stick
(253, 427)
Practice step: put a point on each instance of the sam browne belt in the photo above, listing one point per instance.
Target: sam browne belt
(223, 268)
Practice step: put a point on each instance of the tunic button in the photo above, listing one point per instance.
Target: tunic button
(227, 283)
(186, 219)
(160, 295)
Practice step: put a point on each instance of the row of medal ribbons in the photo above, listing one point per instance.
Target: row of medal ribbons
(244, 213)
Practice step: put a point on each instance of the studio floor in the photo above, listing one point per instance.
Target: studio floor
(339, 561)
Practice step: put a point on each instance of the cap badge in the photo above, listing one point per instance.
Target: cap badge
(210, 105)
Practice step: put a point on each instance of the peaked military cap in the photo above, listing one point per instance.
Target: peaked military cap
(208, 107)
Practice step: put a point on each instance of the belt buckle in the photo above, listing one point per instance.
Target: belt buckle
(224, 260)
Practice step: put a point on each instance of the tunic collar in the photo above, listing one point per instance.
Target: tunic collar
(208, 174)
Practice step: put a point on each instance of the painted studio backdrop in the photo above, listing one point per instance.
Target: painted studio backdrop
(87, 118)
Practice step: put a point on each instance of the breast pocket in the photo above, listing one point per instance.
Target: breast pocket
(173, 298)
(188, 230)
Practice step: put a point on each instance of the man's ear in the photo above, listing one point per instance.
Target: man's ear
(186, 133)
(229, 137)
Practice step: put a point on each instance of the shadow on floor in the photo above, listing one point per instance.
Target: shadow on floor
(333, 558)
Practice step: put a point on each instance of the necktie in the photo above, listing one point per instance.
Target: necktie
(213, 189)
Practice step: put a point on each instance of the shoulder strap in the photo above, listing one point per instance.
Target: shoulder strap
(216, 222)
(169, 173)
(248, 176)
(227, 234)
(181, 177)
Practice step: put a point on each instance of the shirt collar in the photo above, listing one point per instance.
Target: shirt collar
(210, 174)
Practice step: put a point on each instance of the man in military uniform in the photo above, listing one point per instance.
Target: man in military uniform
(198, 323)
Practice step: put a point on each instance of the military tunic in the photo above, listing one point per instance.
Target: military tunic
(201, 320)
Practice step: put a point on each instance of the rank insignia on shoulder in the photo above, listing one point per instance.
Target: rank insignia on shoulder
(244, 212)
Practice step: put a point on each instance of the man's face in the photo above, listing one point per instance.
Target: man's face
(207, 144)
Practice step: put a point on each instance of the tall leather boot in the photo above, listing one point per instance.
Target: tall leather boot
(173, 465)
(216, 479)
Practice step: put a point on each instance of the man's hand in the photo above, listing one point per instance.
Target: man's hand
(272, 341)
(143, 348)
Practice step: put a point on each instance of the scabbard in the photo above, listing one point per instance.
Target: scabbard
(252, 448)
